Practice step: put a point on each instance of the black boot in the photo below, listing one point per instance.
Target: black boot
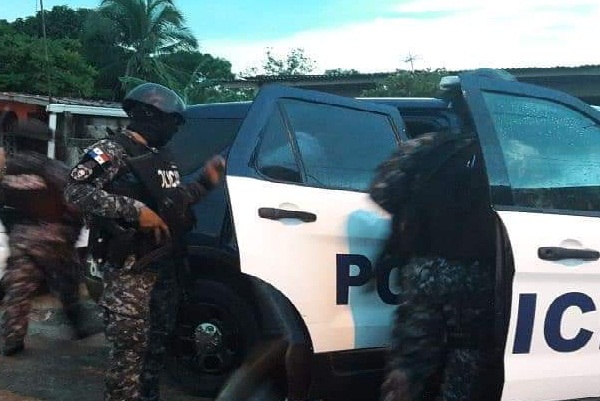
(76, 316)
(12, 348)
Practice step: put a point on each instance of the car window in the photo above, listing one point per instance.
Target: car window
(276, 158)
(200, 138)
(197, 140)
(551, 152)
(210, 213)
(339, 147)
(417, 125)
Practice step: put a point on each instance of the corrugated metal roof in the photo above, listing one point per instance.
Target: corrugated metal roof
(43, 100)
(311, 77)
(578, 70)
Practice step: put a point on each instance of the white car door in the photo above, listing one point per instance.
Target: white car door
(297, 178)
(542, 152)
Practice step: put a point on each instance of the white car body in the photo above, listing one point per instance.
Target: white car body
(309, 238)
(552, 347)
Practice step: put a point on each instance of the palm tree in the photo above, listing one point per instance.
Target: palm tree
(145, 30)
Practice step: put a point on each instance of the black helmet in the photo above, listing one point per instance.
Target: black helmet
(155, 112)
(157, 96)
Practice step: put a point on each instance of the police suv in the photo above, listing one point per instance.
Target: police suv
(285, 248)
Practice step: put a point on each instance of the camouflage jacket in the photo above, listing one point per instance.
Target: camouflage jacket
(101, 164)
(33, 184)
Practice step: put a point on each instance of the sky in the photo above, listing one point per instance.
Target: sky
(380, 35)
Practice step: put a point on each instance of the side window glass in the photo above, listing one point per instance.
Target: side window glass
(275, 158)
(340, 147)
(200, 138)
(551, 152)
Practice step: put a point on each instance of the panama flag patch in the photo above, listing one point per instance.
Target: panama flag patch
(98, 155)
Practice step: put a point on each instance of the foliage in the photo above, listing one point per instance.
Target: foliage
(102, 52)
(296, 62)
(62, 22)
(6, 27)
(219, 94)
(145, 30)
(409, 83)
(100, 49)
(24, 67)
(199, 77)
(338, 72)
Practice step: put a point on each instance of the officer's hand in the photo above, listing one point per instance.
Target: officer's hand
(150, 221)
(214, 169)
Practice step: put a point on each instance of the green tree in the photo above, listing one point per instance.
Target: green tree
(295, 63)
(62, 22)
(218, 94)
(6, 27)
(408, 83)
(146, 30)
(184, 64)
(24, 67)
(197, 76)
(339, 72)
(100, 48)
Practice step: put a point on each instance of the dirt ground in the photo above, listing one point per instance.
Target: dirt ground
(54, 368)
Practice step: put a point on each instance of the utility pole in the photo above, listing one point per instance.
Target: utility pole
(46, 49)
(51, 150)
(411, 58)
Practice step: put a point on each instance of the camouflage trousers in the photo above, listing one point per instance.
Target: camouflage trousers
(39, 253)
(140, 314)
(439, 349)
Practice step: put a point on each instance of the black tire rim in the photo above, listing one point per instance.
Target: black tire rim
(208, 340)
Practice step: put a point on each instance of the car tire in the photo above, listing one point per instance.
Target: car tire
(267, 391)
(214, 306)
(261, 377)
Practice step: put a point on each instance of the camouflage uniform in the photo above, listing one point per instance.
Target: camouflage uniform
(42, 245)
(443, 238)
(140, 305)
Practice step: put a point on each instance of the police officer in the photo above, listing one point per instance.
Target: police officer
(41, 243)
(138, 210)
(443, 240)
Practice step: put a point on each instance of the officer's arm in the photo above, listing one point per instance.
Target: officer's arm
(98, 167)
(209, 177)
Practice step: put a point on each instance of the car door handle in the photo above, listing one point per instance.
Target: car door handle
(558, 253)
(278, 214)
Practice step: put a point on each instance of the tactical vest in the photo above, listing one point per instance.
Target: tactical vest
(152, 178)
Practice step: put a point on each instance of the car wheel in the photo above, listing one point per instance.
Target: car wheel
(261, 377)
(216, 328)
(267, 391)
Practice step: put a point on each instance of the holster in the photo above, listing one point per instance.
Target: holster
(110, 242)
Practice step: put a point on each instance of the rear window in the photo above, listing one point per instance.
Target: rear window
(200, 138)
(333, 147)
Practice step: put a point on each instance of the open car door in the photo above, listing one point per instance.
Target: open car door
(542, 153)
(297, 178)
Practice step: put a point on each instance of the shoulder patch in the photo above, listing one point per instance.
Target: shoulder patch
(98, 155)
(81, 172)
